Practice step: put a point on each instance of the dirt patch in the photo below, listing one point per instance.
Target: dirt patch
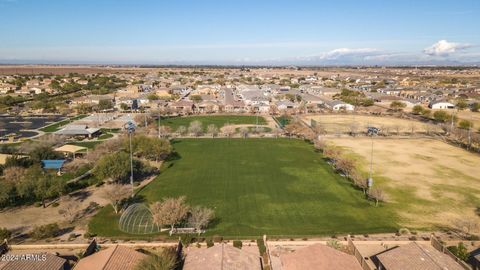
(341, 123)
(433, 183)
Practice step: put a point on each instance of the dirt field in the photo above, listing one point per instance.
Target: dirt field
(432, 183)
(342, 123)
(470, 116)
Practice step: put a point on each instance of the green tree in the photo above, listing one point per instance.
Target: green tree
(47, 186)
(476, 107)
(124, 107)
(115, 166)
(417, 109)
(105, 104)
(397, 105)
(153, 96)
(465, 124)
(441, 116)
(462, 104)
(41, 152)
(7, 192)
(151, 148)
(196, 98)
(460, 251)
(5, 234)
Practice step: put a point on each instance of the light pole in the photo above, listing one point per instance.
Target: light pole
(130, 127)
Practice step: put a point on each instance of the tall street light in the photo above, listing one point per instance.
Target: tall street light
(130, 127)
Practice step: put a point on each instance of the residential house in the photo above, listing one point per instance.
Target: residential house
(34, 261)
(337, 105)
(182, 106)
(283, 105)
(318, 257)
(441, 105)
(115, 258)
(415, 256)
(220, 257)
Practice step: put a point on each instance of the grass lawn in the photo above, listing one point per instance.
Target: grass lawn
(217, 120)
(261, 186)
(87, 144)
(58, 125)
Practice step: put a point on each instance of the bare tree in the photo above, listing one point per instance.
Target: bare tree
(213, 130)
(115, 193)
(466, 225)
(377, 194)
(169, 211)
(200, 217)
(195, 128)
(319, 144)
(244, 131)
(259, 130)
(182, 130)
(69, 212)
(228, 130)
(14, 174)
(359, 180)
(277, 132)
(345, 165)
(413, 128)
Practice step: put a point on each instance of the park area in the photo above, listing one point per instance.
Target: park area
(341, 124)
(277, 187)
(431, 183)
(218, 120)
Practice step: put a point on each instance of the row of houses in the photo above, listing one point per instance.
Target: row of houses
(409, 255)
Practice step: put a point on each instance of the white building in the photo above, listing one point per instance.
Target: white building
(441, 105)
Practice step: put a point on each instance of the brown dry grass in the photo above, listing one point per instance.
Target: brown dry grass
(430, 182)
(341, 123)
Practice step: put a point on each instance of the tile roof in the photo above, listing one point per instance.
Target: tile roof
(417, 257)
(113, 258)
(43, 261)
(318, 257)
(221, 257)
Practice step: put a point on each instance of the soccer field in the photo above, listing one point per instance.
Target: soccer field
(218, 120)
(267, 186)
(261, 186)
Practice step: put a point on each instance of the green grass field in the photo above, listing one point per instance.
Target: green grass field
(261, 186)
(217, 120)
(58, 125)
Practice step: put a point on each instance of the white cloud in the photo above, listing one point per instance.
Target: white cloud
(445, 48)
(344, 52)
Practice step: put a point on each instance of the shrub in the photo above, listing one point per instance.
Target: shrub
(55, 204)
(460, 251)
(217, 238)
(88, 235)
(5, 234)
(334, 244)
(404, 231)
(209, 242)
(412, 238)
(45, 231)
(187, 239)
(261, 246)
(37, 204)
(472, 237)
(72, 236)
(237, 244)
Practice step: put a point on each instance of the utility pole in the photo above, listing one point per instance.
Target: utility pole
(370, 174)
(130, 127)
(159, 127)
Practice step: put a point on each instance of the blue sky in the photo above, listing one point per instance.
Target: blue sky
(240, 32)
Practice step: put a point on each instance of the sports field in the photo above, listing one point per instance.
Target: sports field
(262, 186)
(338, 123)
(431, 183)
(218, 120)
